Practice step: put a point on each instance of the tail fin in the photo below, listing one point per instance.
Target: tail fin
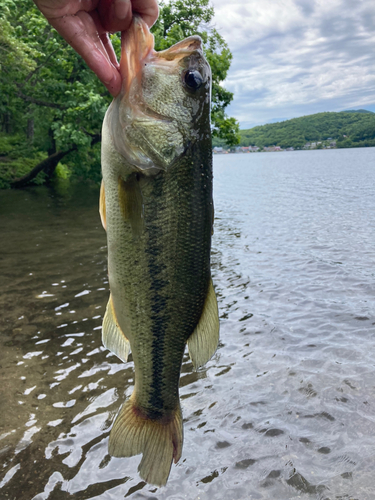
(160, 442)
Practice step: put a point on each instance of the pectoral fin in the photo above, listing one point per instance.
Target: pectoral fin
(202, 343)
(131, 203)
(113, 337)
(102, 206)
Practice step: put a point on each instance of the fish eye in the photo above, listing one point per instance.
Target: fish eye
(193, 79)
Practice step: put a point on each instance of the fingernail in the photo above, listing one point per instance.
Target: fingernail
(114, 84)
(122, 8)
(109, 78)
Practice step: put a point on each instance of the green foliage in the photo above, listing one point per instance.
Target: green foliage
(226, 129)
(361, 134)
(50, 101)
(11, 169)
(9, 144)
(358, 127)
(85, 163)
(62, 171)
(178, 20)
(357, 111)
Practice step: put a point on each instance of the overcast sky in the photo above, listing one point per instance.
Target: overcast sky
(298, 57)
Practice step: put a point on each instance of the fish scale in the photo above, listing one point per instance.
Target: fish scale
(156, 206)
(164, 297)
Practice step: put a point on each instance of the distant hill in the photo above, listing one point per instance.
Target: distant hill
(357, 111)
(358, 126)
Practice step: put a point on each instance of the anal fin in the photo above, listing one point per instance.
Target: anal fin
(202, 343)
(113, 337)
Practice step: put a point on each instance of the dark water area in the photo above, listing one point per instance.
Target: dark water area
(286, 407)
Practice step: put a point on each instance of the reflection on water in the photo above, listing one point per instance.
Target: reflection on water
(285, 409)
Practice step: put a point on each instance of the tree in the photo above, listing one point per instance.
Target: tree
(56, 104)
(49, 95)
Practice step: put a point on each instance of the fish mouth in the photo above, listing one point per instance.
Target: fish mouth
(137, 47)
(182, 49)
(137, 43)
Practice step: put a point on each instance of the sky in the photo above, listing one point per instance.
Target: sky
(297, 57)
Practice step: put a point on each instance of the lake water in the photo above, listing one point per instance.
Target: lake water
(286, 407)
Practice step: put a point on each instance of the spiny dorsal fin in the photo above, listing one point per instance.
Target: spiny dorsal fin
(202, 343)
(160, 442)
(113, 337)
(102, 206)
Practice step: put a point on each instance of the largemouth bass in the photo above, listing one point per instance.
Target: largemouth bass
(156, 205)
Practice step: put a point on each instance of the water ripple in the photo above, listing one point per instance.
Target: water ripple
(286, 407)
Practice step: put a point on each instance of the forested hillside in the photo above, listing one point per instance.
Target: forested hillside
(357, 126)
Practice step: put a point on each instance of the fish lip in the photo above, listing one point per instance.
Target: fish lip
(182, 49)
(137, 49)
(137, 45)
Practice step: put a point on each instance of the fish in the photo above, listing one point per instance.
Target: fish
(157, 208)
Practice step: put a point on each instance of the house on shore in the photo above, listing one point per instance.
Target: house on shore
(219, 150)
(247, 149)
(271, 149)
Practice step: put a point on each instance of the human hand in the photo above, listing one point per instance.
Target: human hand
(85, 25)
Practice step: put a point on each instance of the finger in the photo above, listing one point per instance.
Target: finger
(148, 9)
(109, 49)
(115, 15)
(59, 8)
(122, 8)
(103, 35)
(81, 33)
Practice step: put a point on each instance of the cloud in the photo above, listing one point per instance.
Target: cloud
(297, 57)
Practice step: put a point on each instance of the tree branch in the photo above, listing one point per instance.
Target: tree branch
(96, 138)
(32, 73)
(38, 102)
(49, 164)
(88, 133)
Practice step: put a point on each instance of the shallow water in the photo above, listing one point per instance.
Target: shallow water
(286, 407)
